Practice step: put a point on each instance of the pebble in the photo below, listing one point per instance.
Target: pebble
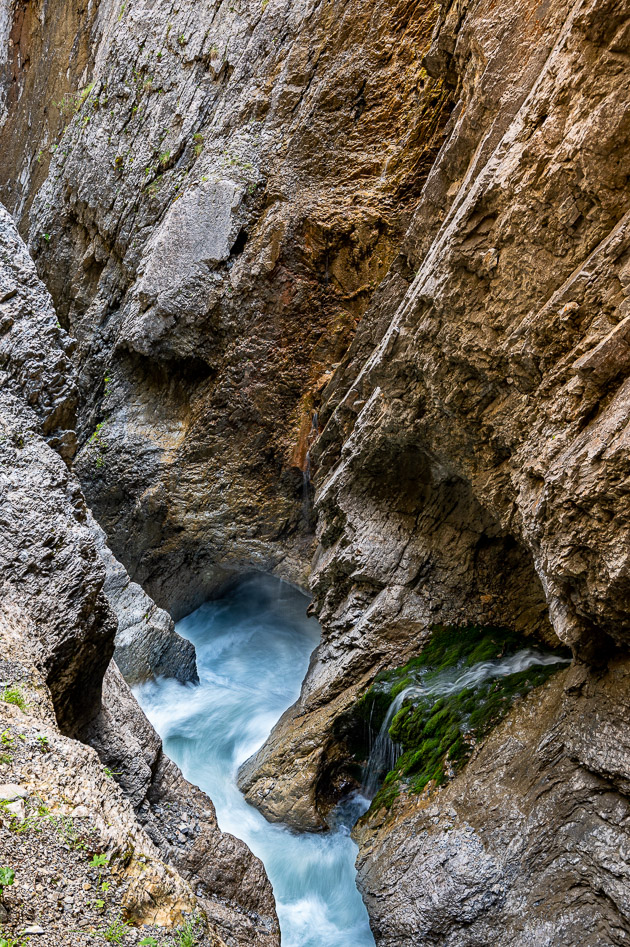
(11, 791)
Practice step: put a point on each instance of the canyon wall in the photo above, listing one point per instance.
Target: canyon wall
(385, 250)
(473, 467)
(58, 630)
(230, 187)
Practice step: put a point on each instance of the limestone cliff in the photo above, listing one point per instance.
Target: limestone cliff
(473, 467)
(386, 250)
(58, 632)
(231, 186)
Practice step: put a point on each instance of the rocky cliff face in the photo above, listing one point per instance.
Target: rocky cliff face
(386, 248)
(472, 468)
(58, 631)
(230, 188)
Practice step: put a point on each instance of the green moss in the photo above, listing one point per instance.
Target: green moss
(437, 734)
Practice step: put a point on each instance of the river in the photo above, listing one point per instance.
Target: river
(253, 648)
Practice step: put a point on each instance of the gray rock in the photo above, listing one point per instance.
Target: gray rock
(52, 580)
(10, 792)
(146, 643)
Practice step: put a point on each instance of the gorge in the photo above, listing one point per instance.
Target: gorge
(327, 298)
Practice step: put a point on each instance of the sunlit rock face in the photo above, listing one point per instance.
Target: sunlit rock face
(471, 468)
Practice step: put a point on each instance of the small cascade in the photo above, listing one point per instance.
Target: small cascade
(384, 753)
(306, 473)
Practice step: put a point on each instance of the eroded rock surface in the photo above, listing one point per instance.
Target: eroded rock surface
(530, 846)
(472, 467)
(58, 627)
(146, 643)
(215, 219)
(237, 190)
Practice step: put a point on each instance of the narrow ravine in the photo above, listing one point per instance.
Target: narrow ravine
(253, 648)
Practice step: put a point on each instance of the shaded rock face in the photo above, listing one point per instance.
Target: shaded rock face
(50, 567)
(56, 618)
(214, 222)
(146, 643)
(530, 845)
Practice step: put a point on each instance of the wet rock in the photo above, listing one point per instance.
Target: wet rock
(532, 821)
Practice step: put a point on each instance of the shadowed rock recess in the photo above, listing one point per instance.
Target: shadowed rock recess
(341, 292)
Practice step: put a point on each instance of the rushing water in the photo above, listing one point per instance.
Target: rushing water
(253, 648)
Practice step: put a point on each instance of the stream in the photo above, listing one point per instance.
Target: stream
(253, 648)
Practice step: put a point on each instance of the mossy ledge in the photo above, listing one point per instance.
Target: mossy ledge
(437, 731)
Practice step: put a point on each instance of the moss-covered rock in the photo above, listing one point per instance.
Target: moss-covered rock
(439, 723)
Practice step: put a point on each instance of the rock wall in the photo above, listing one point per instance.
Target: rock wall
(386, 249)
(58, 633)
(529, 846)
(230, 188)
(472, 462)
(473, 467)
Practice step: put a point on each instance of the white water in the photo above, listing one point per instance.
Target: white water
(385, 752)
(253, 649)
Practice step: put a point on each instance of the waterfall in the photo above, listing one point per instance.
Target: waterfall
(306, 473)
(384, 753)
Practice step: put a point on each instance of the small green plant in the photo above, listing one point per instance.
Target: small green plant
(13, 695)
(110, 773)
(69, 833)
(83, 95)
(7, 877)
(185, 935)
(5, 759)
(198, 146)
(164, 158)
(115, 931)
(19, 941)
(100, 862)
(181, 39)
(46, 237)
(96, 435)
(7, 739)
(148, 942)
(43, 743)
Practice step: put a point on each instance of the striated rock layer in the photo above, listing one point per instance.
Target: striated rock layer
(58, 630)
(473, 467)
(237, 190)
